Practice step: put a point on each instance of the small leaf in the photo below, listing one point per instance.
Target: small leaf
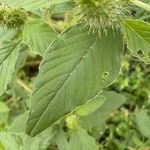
(5, 50)
(47, 136)
(143, 122)
(6, 46)
(3, 108)
(8, 54)
(137, 36)
(38, 35)
(97, 119)
(61, 140)
(7, 67)
(91, 106)
(1, 147)
(10, 142)
(40, 142)
(4, 112)
(71, 73)
(7, 35)
(61, 7)
(80, 140)
(31, 143)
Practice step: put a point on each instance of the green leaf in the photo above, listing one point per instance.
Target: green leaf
(31, 143)
(31, 4)
(137, 36)
(7, 35)
(4, 112)
(61, 7)
(19, 123)
(10, 142)
(90, 106)
(38, 35)
(74, 70)
(8, 55)
(8, 66)
(143, 122)
(61, 140)
(5, 50)
(3, 107)
(97, 119)
(1, 147)
(47, 136)
(40, 142)
(24, 52)
(6, 46)
(80, 140)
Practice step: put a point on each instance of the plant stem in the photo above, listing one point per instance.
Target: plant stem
(141, 4)
(21, 83)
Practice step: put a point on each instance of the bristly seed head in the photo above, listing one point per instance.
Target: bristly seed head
(100, 14)
(12, 17)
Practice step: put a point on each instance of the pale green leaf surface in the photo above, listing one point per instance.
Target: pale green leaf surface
(38, 35)
(30, 143)
(75, 69)
(3, 107)
(18, 124)
(61, 140)
(10, 142)
(80, 140)
(7, 34)
(97, 119)
(8, 55)
(6, 47)
(31, 4)
(61, 7)
(40, 142)
(4, 112)
(91, 106)
(143, 122)
(137, 36)
(7, 69)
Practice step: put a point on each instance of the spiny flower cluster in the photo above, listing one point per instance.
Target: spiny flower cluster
(12, 17)
(100, 14)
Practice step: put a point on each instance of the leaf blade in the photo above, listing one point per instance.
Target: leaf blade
(7, 68)
(80, 140)
(97, 119)
(31, 4)
(75, 63)
(38, 35)
(137, 36)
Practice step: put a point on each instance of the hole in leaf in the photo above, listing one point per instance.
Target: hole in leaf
(140, 53)
(105, 74)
